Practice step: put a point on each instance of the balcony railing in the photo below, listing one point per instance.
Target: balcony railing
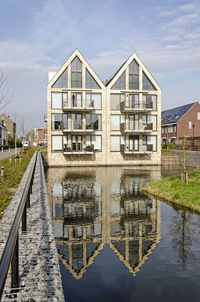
(137, 106)
(76, 106)
(135, 129)
(67, 149)
(147, 149)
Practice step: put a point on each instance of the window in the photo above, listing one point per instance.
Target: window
(115, 100)
(93, 100)
(56, 142)
(90, 81)
(94, 140)
(149, 101)
(133, 122)
(149, 143)
(120, 83)
(93, 121)
(58, 121)
(76, 142)
(146, 83)
(115, 142)
(76, 99)
(133, 142)
(56, 100)
(190, 125)
(149, 122)
(76, 73)
(115, 121)
(61, 82)
(76, 121)
(134, 101)
(134, 75)
(198, 116)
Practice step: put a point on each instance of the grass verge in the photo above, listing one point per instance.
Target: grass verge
(13, 172)
(172, 189)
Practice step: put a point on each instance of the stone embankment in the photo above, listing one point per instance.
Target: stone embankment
(39, 271)
(192, 158)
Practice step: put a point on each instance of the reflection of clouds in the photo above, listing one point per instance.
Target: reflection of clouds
(89, 213)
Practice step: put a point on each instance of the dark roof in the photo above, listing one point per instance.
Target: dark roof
(174, 115)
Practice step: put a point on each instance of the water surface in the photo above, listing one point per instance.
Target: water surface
(115, 244)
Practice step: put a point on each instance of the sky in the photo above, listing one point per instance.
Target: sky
(37, 36)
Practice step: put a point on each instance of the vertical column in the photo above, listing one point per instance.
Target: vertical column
(15, 266)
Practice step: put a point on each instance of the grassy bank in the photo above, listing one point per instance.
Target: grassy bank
(13, 172)
(172, 189)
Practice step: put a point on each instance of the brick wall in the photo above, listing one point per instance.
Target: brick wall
(183, 124)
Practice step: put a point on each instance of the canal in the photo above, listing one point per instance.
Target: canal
(115, 244)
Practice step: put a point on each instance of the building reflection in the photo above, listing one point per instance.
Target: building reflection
(94, 207)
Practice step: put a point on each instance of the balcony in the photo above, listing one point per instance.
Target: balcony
(145, 129)
(126, 150)
(77, 107)
(78, 128)
(137, 107)
(67, 150)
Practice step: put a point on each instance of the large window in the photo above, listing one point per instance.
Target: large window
(133, 142)
(116, 120)
(58, 121)
(61, 82)
(134, 75)
(57, 142)
(133, 100)
(115, 100)
(149, 122)
(149, 143)
(133, 122)
(115, 142)
(76, 73)
(58, 100)
(146, 83)
(76, 99)
(76, 121)
(149, 101)
(93, 100)
(76, 142)
(93, 121)
(94, 140)
(90, 81)
(120, 83)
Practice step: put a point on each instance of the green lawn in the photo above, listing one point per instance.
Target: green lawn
(172, 189)
(13, 172)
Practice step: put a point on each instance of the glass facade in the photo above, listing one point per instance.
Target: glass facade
(134, 75)
(121, 82)
(115, 100)
(62, 81)
(146, 83)
(93, 121)
(76, 73)
(93, 100)
(90, 81)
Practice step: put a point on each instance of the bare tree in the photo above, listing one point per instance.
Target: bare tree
(5, 96)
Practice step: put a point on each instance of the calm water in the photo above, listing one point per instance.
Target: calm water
(115, 244)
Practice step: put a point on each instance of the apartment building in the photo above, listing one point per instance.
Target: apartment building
(38, 136)
(94, 123)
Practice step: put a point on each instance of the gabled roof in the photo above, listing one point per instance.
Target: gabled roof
(175, 114)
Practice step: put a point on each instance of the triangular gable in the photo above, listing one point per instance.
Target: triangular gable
(97, 82)
(148, 76)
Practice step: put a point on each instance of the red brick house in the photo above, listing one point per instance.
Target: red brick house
(180, 121)
(38, 136)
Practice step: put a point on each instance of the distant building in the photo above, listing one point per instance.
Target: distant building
(38, 136)
(10, 125)
(181, 121)
(3, 134)
(94, 123)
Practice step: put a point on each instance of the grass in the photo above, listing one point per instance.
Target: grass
(13, 172)
(172, 189)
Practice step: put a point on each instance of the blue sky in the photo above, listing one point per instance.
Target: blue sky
(37, 36)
